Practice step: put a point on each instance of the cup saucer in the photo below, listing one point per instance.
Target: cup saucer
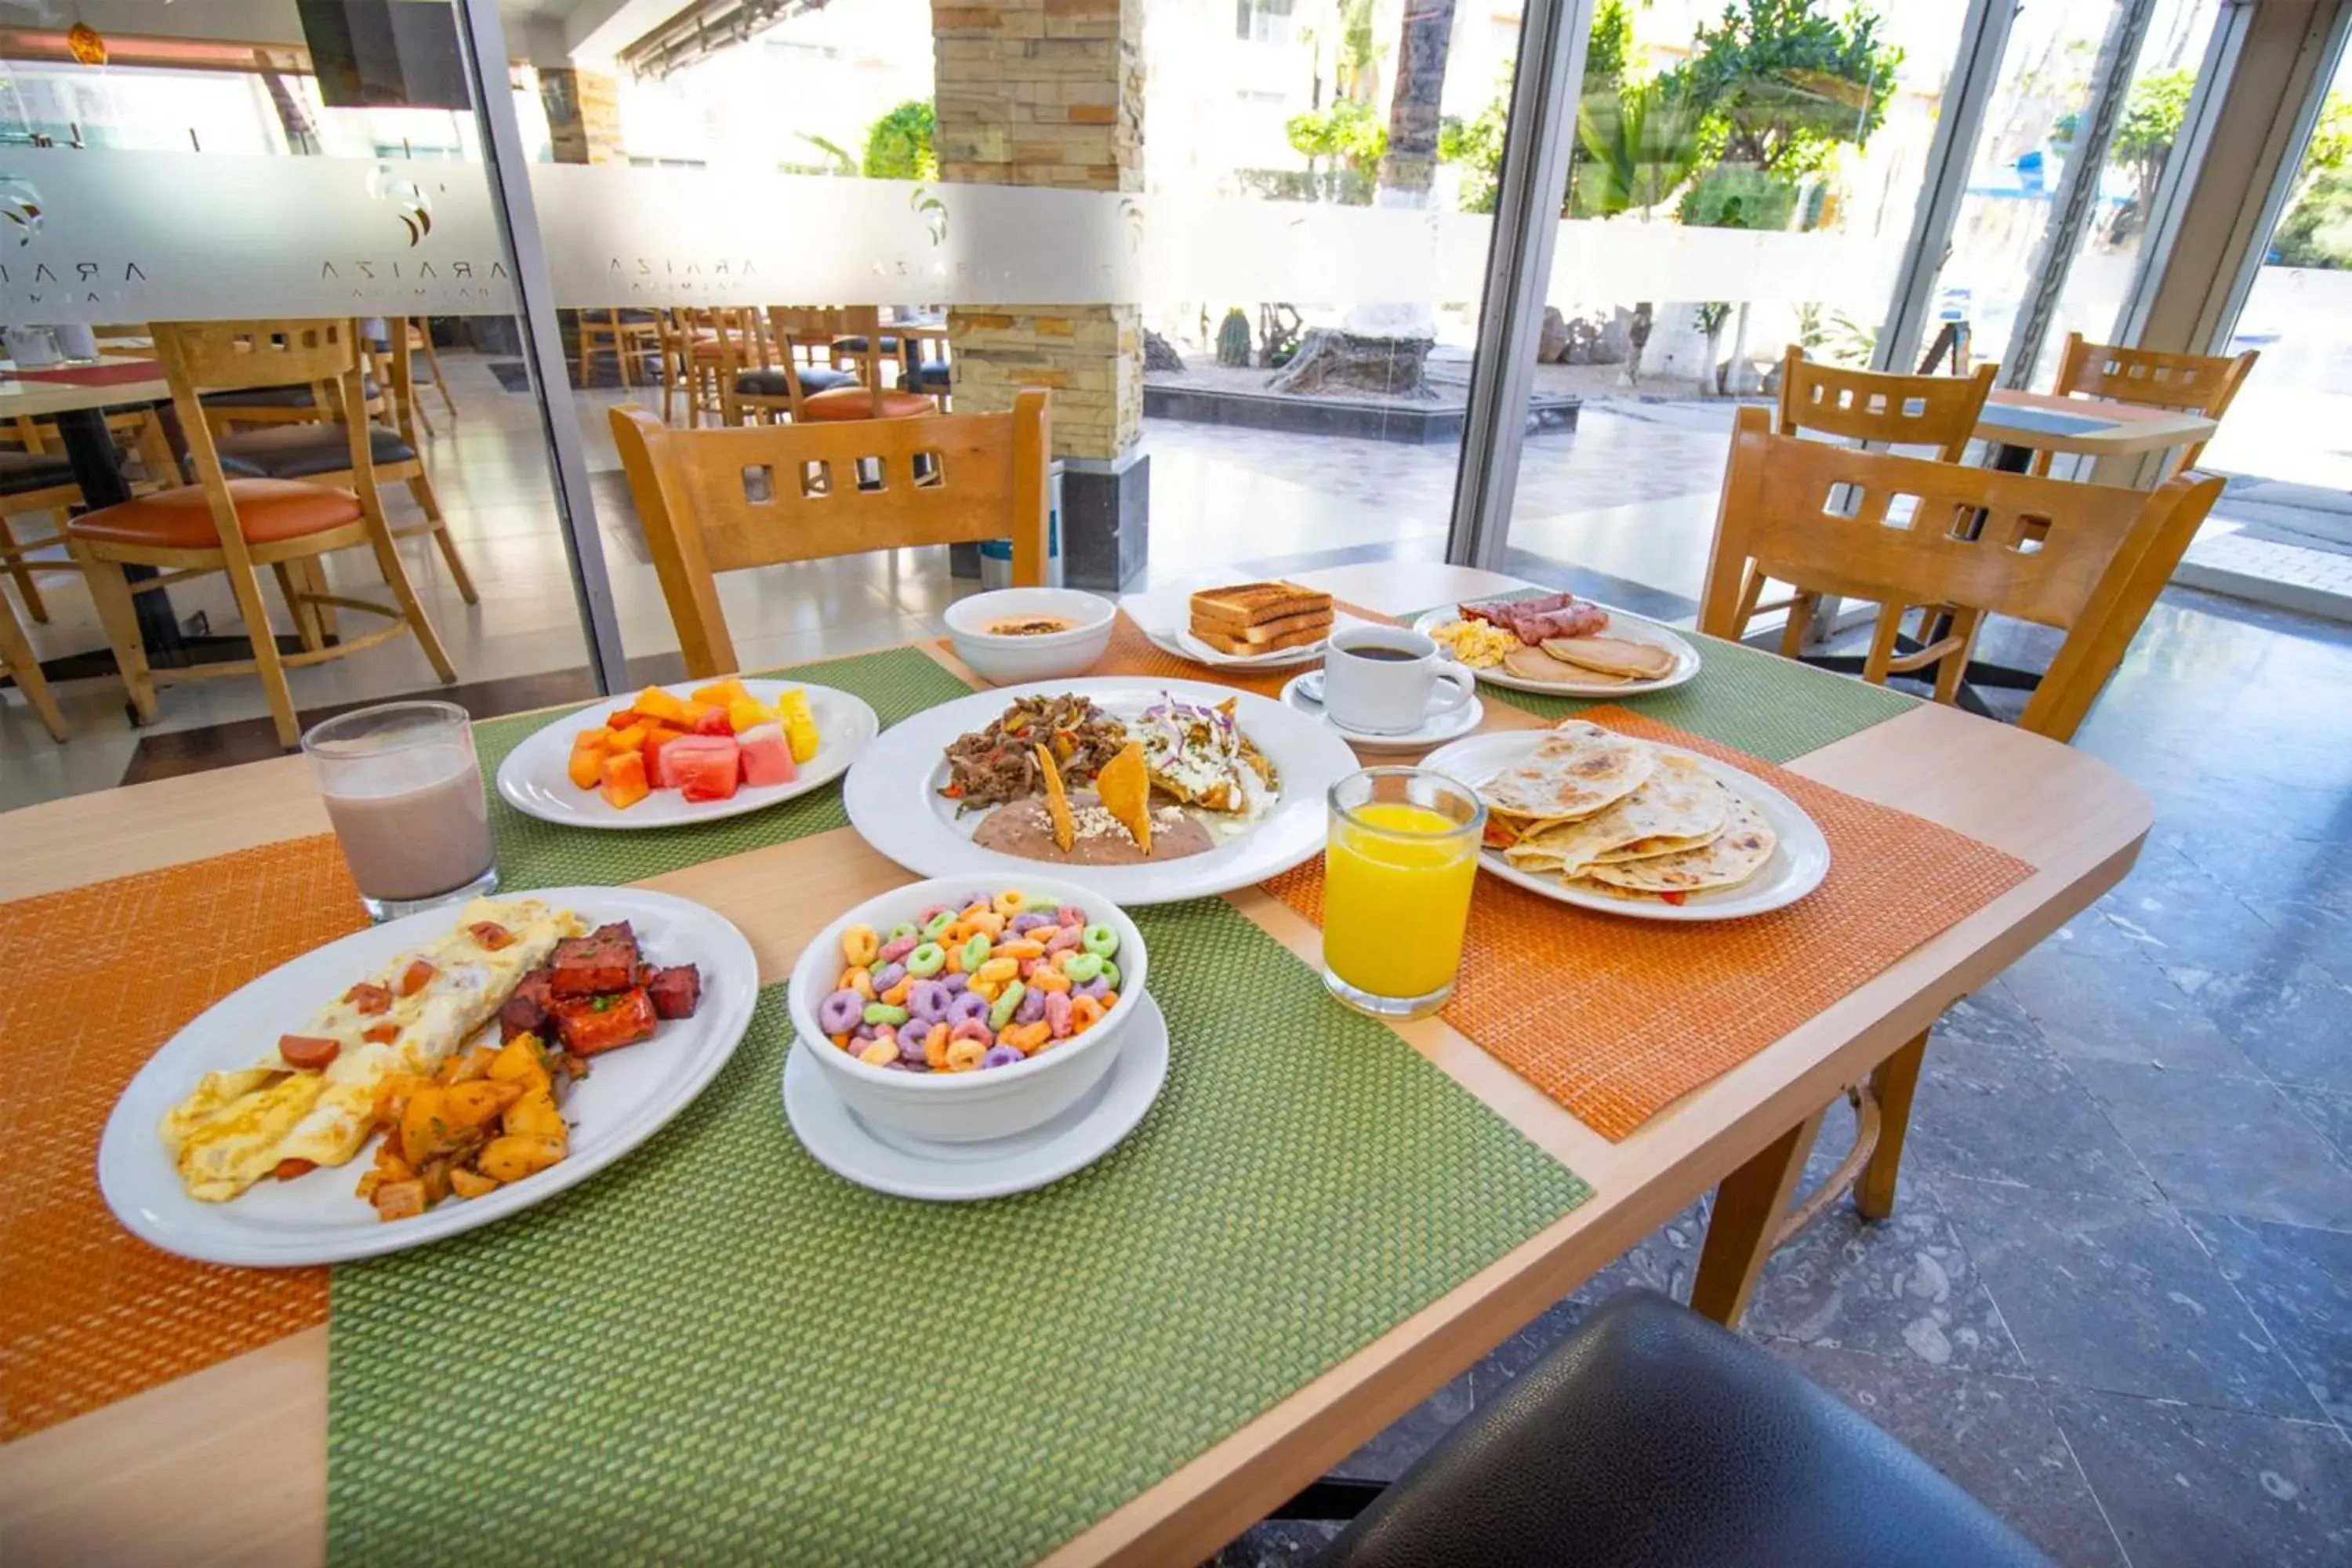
(1305, 693)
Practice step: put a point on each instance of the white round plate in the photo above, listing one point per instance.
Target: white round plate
(320, 1218)
(1304, 694)
(1800, 860)
(534, 778)
(1180, 641)
(1621, 624)
(856, 1151)
(893, 796)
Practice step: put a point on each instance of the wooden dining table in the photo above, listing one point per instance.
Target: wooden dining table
(2023, 423)
(230, 1463)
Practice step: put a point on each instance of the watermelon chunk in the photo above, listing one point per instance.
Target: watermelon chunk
(705, 767)
(767, 758)
(713, 722)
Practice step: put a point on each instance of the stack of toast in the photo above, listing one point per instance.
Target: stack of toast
(1249, 618)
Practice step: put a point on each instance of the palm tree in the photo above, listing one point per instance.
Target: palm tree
(1643, 147)
(1410, 165)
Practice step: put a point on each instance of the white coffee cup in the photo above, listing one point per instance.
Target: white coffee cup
(1389, 680)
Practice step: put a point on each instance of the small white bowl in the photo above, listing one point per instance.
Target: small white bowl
(1009, 660)
(965, 1107)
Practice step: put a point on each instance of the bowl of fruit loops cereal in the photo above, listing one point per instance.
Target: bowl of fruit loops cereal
(954, 1011)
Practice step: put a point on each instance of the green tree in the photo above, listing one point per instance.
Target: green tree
(1346, 134)
(2318, 228)
(1477, 145)
(903, 145)
(1781, 87)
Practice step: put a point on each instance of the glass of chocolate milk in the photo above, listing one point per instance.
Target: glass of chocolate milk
(405, 793)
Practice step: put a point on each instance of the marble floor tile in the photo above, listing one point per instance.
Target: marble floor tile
(1404, 1440)
(2292, 1019)
(2118, 1007)
(2330, 1112)
(2299, 1282)
(2190, 1486)
(2223, 1146)
(1993, 1434)
(2179, 913)
(2115, 1294)
(1275, 1542)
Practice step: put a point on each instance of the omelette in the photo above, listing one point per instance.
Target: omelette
(425, 1004)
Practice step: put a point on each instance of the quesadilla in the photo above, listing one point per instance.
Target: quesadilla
(1679, 808)
(1736, 854)
(1578, 769)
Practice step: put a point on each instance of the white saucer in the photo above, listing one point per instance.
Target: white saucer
(1435, 729)
(888, 1162)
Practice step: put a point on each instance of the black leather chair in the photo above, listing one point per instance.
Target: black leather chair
(1652, 1436)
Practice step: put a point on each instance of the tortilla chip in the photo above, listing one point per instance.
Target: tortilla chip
(1057, 803)
(1125, 786)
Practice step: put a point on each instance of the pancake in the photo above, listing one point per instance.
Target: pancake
(1576, 770)
(1746, 844)
(1535, 664)
(1679, 808)
(1619, 657)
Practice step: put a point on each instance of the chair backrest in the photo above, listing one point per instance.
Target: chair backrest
(721, 499)
(2198, 383)
(1939, 411)
(399, 374)
(2102, 554)
(794, 326)
(199, 357)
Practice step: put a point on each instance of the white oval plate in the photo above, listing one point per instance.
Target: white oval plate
(856, 1151)
(1621, 624)
(1180, 641)
(893, 796)
(1800, 860)
(534, 781)
(1305, 693)
(319, 1218)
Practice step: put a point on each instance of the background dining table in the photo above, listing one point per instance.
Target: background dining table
(231, 1462)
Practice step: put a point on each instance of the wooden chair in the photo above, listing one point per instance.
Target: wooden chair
(2101, 557)
(854, 336)
(378, 335)
(628, 335)
(235, 525)
(2193, 383)
(720, 500)
(1866, 407)
(19, 660)
(38, 482)
(777, 387)
(320, 452)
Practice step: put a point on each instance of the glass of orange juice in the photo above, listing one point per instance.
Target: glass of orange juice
(1397, 873)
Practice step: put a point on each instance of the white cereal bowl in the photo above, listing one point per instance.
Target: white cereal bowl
(965, 1107)
(1008, 660)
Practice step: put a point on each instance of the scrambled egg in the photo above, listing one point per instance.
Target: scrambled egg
(237, 1127)
(1478, 644)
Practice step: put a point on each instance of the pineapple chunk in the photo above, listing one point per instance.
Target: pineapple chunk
(800, 724)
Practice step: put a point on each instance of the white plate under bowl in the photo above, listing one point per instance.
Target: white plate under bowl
(319, 1218)
(1433, 731)
(888, 1162)
(893, 796)
(1621, 624)
(536, 780)
(1800, 860)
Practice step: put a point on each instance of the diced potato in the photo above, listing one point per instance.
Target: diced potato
(435, 1177)
(474, 1104)
(624, 780)
(467, 1066)
(469, 1183)
(426, 1131)
(519, 1060)
(516, 1155)
(399, 1200)
(535, 1115)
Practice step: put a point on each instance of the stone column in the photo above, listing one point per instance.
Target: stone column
(1050, 92)
(583, 115)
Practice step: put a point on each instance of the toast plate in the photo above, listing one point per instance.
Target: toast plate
(1621, 624)
(628, 1096)
(1163, 616)
(535, 778)
(893, 796)
(1800, 860)
(887, 1162)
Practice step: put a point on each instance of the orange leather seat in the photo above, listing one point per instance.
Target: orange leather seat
(856, 403)
(271, 510)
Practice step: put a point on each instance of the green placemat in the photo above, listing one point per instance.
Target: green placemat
(535, 854)
(1756, 702)
(717, 1352)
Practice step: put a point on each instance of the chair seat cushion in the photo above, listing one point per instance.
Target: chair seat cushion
(270, 511)
(856, 403)
(857, 345)
(813, 379)
(21, 473)
(274, 396)
(928, 377)
(298, 451)
(1651, 1436)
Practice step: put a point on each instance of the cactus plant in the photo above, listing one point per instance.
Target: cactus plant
(1234, 339)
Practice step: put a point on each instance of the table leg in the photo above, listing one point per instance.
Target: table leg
(1891, 1084)
(1749, 1207)
(98, 470)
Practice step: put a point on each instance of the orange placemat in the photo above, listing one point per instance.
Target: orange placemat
(1616, 1017)
(97, 978)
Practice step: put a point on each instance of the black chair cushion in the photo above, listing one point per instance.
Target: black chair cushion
(1651, 1436)
(274, 396)
(298, 451)
(21, 473)
(857, 345)
(928, 377)
(813, 380)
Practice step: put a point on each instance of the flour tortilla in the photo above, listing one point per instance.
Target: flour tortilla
(1746, 844)
(1680, 807)
(1619, 657)
(1578, 769)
